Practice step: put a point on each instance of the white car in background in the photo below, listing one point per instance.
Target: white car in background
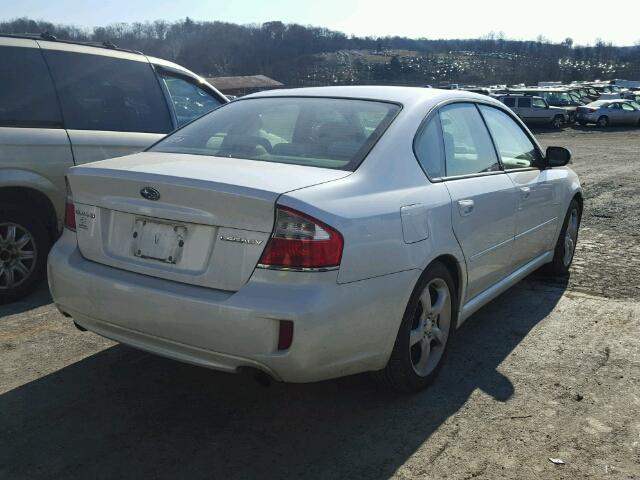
(315, 233)
(610, 112)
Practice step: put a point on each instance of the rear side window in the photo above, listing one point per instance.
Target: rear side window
(318, 132)
(468, 147)
(429, 148)
(189, 100)
(509, 102)
(98, 92)
(515, 148)
(524, 102)
(27, 96)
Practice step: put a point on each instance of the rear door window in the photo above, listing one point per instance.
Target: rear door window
(99, 92)
(524, 102)
(27, 95)
(190, 101)
(509, 102)
(467, 144)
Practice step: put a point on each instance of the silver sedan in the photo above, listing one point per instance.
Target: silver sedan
(609, 112)
(315, 233)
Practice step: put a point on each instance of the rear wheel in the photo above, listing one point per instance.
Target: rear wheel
(603, 122)
(566, 245)
(557, 122)
(24, 245)
(425, 333)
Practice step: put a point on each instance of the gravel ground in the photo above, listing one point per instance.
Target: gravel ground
(548, 370)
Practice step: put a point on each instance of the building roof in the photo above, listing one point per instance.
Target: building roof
(247, 81)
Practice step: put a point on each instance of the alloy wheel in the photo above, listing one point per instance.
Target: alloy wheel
(18, 255)
(430, 327)
(570, 238)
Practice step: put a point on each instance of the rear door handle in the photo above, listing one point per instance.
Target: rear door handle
(525, 192)
(465, 207)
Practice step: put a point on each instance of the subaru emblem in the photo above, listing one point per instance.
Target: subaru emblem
(150, 193)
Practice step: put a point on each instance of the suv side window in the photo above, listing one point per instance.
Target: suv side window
(429, 148)
(467, 145)
(524, 102)
(509, 101)
(538, 103)
(98, 92)
(27, 95)
(514, 146)
(189, 100)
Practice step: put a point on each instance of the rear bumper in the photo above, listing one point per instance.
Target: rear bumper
(338, 329)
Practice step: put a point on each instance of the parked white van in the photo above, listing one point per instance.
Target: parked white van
(66, 103)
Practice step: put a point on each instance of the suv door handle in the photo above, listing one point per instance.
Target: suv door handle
(525, 192)
(465, 207)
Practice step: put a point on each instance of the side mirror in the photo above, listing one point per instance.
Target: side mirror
(557, 156)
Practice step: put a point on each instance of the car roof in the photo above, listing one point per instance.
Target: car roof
(402, 95)
(46, 37)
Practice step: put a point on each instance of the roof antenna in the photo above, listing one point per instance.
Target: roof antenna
(47, 36)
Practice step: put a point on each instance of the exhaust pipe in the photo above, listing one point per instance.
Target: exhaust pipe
(261, 378)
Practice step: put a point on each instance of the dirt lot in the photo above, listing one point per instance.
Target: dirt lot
(548, 370)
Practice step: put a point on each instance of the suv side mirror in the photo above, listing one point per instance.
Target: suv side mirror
(557, 156)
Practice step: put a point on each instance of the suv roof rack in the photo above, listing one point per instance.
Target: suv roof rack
(52, 38)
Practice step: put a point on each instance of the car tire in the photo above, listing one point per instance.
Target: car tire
(603, 121)
(557, 122)
(572, 118)
(424, 337)
(566, 244)
(24, 246)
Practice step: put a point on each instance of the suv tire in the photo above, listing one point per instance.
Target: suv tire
(24, 246)
(557, 122)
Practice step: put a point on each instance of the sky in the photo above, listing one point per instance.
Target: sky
(583, 20)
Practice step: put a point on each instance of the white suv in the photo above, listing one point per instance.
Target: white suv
(63, 104)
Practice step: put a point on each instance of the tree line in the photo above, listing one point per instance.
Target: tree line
(297, 55)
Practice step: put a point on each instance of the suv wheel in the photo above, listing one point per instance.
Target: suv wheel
(557, 122)
(425, 333)
(603, 122)
(24, 245)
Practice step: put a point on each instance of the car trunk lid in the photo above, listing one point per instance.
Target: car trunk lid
(208, 225)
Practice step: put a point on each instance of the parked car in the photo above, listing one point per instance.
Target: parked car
(610, 112)
(555, 97)
(315, 233)
(535, 110)
(64, 104)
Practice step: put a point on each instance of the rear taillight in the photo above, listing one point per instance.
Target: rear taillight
(69, 211)
(300, 242)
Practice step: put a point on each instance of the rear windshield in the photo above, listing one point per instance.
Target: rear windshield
(318, 132)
